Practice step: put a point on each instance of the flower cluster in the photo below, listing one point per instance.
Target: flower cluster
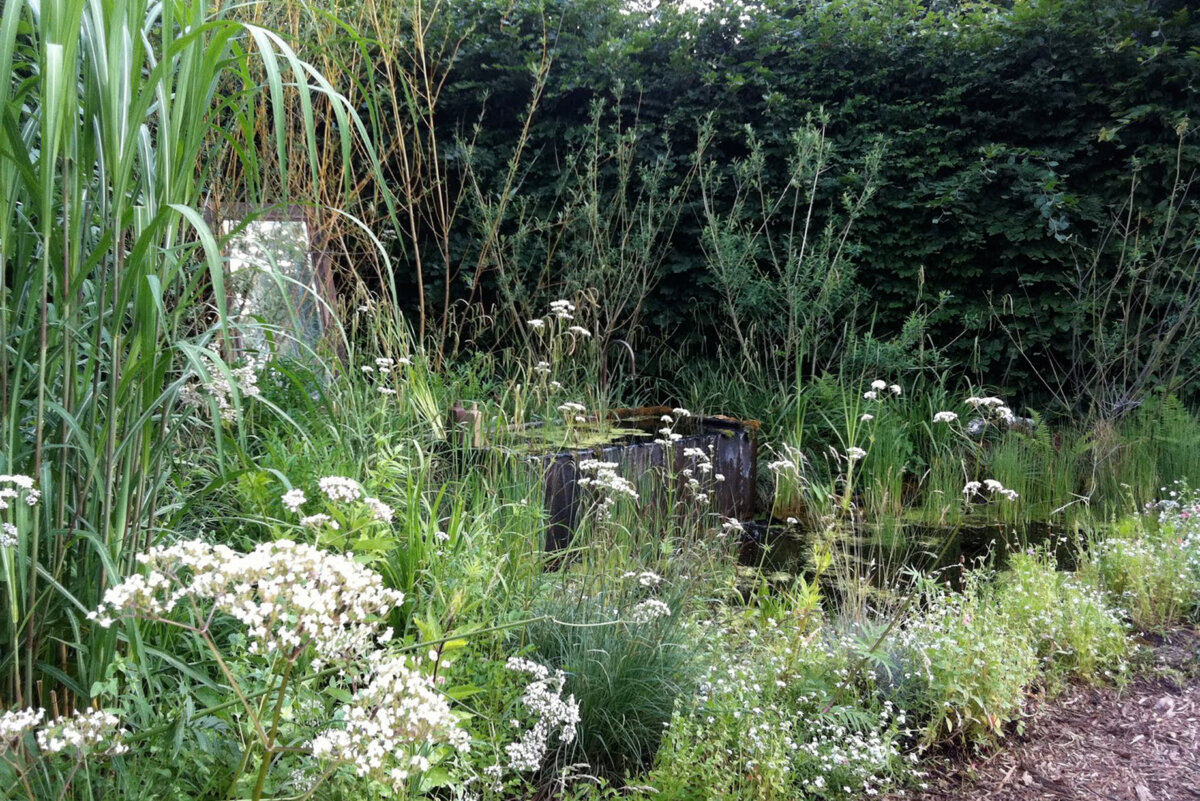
(293, 500)
(83, 732)
(221, 386)
(289, 595)
(340, 489)
(992, 408)
(573, 412)
(13, 487)
(990, 485)
(389, 725)
(649, 610)
(15, 723)
(879, 386)
(562, 309)
(602, 476)
(543, 699)
(645, 578)
(945, 417)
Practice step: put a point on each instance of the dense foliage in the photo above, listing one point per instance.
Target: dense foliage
(1021, 144)
(262, 541)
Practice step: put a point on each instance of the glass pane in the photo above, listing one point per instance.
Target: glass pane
(273, 288)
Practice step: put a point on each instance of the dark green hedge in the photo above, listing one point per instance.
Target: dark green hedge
(1011, 134)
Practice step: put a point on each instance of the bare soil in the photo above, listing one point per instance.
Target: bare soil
(1136, 743)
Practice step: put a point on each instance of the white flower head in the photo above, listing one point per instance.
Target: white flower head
(381, 511)
(82, 732)
(878, 384)
(945, 417)
(293, 500)
(399, 709)
(649, 610)
(340, 488)
(289, 596)
(871, 395)
(866, 418)
(854, 454)
(562, 309)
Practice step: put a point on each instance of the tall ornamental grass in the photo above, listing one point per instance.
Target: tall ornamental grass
(112, 288)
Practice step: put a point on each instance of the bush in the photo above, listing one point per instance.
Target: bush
(964, 664)
(1073, 630)
(1149, 565)
(784, 711)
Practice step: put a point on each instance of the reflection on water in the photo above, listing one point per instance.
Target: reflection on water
(886, 554)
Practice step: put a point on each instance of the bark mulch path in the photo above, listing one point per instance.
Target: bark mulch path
(1140, 743)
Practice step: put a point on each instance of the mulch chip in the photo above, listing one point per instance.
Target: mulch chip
(1137, 743)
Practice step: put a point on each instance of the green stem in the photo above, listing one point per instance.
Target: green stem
(265, 767)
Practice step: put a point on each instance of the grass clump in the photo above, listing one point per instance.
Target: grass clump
(624, 643)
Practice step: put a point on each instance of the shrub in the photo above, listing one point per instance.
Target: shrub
(1073, 630)
(964, 663)
(1149, 565)
(783, 711)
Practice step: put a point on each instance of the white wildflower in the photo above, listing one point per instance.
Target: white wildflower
(399, 709)
(82, 732)
(562, 309)
(853, 454)
(290, 596)
(15, 723)
(554, 714)
(649, 610)
(340, 488)
(293, 500)
(379, 509)
(945, 417)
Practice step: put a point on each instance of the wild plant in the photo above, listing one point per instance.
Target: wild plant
(963, 665)
(109, 273)
(786, 297)
(42, 757)
(1073, 630)
(1147, 564)
(780, 712)
(304, 616)
(622, 640)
